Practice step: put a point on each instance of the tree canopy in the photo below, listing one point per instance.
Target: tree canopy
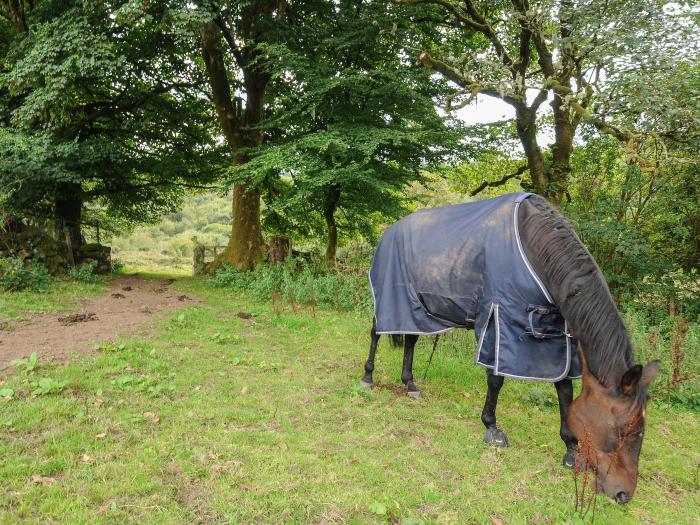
(101, 104)
(322, 116)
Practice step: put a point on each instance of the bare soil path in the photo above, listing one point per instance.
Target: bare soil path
(131, 302)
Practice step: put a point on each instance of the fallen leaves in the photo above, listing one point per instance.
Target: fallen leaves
(101, 436)
(152, 416)
(77, 318)
(245, 390)
(85, 458)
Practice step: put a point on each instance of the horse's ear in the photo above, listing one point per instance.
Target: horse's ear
(649, 373)
(630, 380)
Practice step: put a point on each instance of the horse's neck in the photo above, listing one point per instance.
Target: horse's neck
(578, 288)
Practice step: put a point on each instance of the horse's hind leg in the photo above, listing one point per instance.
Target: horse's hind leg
(565, 393)
(366, 381)
(494, 435)
(407, 372)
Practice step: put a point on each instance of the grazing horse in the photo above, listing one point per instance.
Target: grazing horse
(513, 269)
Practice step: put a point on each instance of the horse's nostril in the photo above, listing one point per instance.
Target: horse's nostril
(622, 497)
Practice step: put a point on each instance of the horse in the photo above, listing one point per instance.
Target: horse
(434, 271)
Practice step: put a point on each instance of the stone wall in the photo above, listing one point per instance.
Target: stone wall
(32, 243)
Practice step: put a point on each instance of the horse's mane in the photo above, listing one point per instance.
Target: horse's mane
(578, 288)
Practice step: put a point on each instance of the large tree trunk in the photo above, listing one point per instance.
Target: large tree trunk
(526, 126)
(245, 248)
(16, 14)
(549, 181)
(564, 132)
(330, 203)
(68, 206)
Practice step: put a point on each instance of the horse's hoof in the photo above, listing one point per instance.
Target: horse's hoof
(496, 437)
(365, 385)
(569, 459)
(415, 394)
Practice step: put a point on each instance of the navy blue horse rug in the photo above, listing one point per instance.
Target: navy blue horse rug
(463, 266)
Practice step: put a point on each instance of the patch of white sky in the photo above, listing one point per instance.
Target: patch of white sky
(485, 110)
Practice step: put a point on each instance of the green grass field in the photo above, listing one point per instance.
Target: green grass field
(216, 419)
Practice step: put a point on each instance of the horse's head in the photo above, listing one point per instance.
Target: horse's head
(609, 424)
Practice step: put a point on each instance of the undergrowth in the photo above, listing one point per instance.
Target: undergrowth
(15, 275)
(85, 273)
(296, 283)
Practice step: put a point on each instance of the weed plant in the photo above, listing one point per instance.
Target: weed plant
(299, 283)
(85, 273)
(15, 275)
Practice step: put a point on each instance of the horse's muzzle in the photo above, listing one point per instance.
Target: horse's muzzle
(622, 497)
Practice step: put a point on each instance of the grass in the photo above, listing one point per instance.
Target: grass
(61, 296)
(150, 261)
(219, 420)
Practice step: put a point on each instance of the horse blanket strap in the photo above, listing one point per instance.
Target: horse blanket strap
(463, 266)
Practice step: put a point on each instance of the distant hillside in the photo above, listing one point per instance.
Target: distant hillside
(206, 216)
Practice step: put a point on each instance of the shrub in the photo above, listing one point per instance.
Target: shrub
(85, 273)
(15, 275)
(675, 342)
(298, 283)
(117, 266)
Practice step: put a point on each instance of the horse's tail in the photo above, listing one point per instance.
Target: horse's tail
(397, 340)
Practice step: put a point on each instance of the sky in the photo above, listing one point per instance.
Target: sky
(487, 109)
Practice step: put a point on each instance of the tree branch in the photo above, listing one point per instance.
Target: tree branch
(459, 78)
(15, 14)
(472, 19)
(229, 118)
(499, 182)
(230, 40)
(488, 31)
(544, 55)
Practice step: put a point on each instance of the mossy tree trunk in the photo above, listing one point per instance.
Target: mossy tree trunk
(68, 205)
(330, 203)
(245, 248)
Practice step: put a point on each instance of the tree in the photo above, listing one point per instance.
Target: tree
(353, 125)
(100, 104)
(566, 52)
(244, 26)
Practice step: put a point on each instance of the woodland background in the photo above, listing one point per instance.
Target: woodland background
(312, 125)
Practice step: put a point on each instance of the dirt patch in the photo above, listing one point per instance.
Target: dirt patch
(55, 336)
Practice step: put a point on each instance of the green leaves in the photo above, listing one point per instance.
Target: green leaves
(350, 118)
(105, 96)
(6, 392)
(27, 364)
(46, 385)
(377, 508)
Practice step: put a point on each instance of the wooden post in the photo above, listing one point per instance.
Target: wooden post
(198, 251)
(69, 246)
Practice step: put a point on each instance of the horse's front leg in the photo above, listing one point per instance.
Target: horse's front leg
(407, 371)
(565, 393)
(494, 435)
